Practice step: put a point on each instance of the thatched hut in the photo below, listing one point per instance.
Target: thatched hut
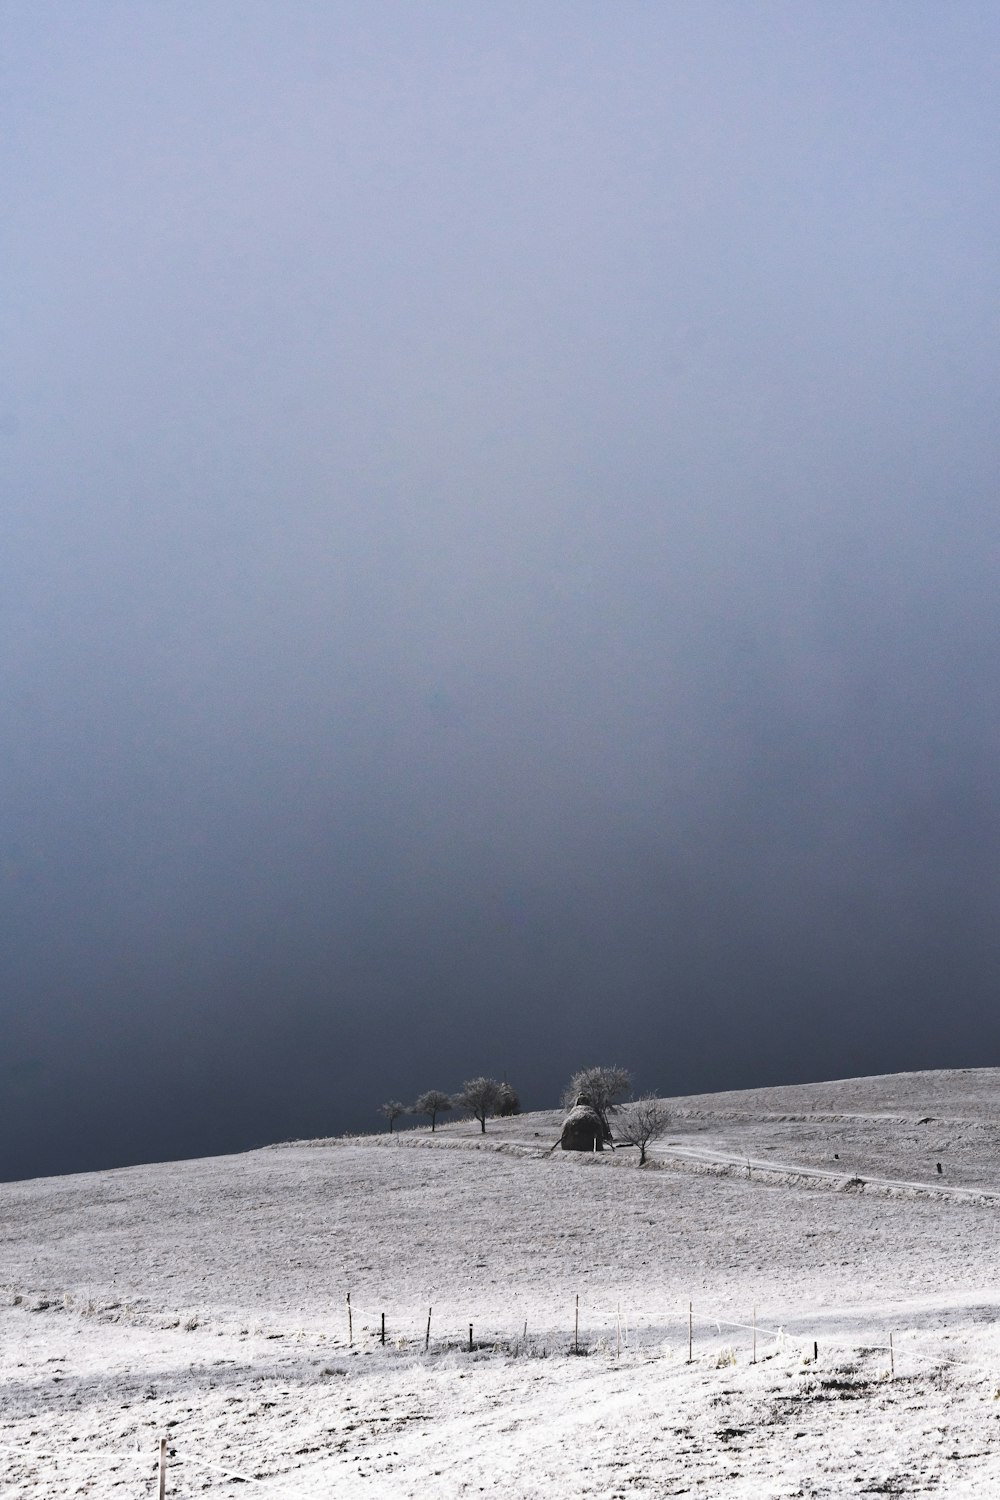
(583, 1128)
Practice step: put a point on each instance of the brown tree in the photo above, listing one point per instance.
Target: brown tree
(602, 1086)
(508, 1103)
(432, 1103)
(392, 1109)
(482, 1097)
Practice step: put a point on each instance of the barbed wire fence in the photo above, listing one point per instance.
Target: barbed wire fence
(618, 1338)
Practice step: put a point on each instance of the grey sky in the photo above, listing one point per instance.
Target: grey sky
(498, 554)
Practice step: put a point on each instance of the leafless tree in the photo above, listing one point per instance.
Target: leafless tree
(392, 1109)
(642, 1121)
(602, 1086)
(481, 1097)
(433, 1103)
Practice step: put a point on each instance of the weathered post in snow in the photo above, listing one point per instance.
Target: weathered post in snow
(162, 1487)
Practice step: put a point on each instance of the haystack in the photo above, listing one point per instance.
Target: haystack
(583, 1128)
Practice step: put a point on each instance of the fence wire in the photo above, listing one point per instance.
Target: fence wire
(278, 1485)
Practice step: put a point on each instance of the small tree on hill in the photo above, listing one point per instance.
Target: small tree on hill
(392, 1109)
(642, 1121)
(433, 1103)
(602, 1086)
(481, 1097)
(508, 1103)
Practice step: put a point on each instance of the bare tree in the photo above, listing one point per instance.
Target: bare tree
(642, 1121)
(602, 1086)
(481, 1097)
(392, 1110)
(433, 1103)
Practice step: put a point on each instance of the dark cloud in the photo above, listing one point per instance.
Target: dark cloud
(498, 559)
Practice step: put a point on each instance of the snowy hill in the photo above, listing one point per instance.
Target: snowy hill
(207, 1301)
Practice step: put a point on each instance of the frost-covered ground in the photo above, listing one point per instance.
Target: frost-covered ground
(206, 1301)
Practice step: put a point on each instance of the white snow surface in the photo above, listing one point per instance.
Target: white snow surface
(206, 1301)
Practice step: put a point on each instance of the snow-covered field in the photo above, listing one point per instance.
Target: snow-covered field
(207, 1301)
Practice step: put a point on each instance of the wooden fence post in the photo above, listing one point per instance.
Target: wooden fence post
(427, 1335)
(576, 1327)
(162, 1489)
(892, 1359)
(383, 1328)
(470, 1338)
(350, 1325)
(690, 1332)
